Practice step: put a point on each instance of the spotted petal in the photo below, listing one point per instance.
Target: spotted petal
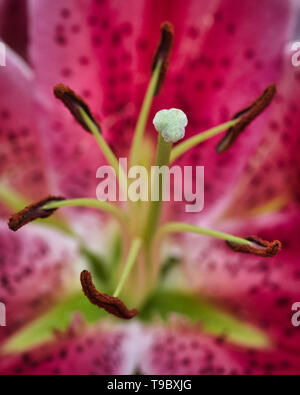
(271, 179)
(22, 163)
(185, 350)
(90, 351)
(105, 50)
(62, 51)
(174, 349)
(227, 68)
(260, 289)
(36, 266)
(102, 51)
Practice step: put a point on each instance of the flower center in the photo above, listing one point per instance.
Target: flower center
(138, 269)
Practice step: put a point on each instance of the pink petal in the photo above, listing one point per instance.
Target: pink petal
(112, 43)
(228, 68)
(62, 52)
(153, 350)
(274, 170)
(21, 157)
(93, 351)
(36, 266)
(65, 49)
(101, 51)
(187, 351)
(262, 290)
(68, 47)
(105, 48)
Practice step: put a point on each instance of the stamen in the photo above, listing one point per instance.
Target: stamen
(91, 203)
(159, 69)
(258, 247)
(83, 115)
(192, 142)
(179, 227)
(163, 53)
(134, 250)
(74, 102)
(32, 212)
(246, 116)
(109, 303)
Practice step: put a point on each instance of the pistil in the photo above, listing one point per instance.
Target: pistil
(162, 159)
(170, 125)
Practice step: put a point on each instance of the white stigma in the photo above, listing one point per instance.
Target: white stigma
(171, 124)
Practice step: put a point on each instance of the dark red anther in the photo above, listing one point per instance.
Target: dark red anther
(73, 102)
(32, 212)
(109, 303)
(246, 116)
(259, 247)
(163, 53)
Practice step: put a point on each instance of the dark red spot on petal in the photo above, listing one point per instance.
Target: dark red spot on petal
(65, 13)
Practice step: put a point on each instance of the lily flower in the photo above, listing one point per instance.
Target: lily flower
(94, 287)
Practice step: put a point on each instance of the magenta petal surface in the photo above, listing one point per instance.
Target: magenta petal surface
(61, 51)
(102, 52)
(262, 290)
(188, 351)
(229, 67)
(105, 49)
(272, 173)
(36, 267)
(94, 351)
(22, 163)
